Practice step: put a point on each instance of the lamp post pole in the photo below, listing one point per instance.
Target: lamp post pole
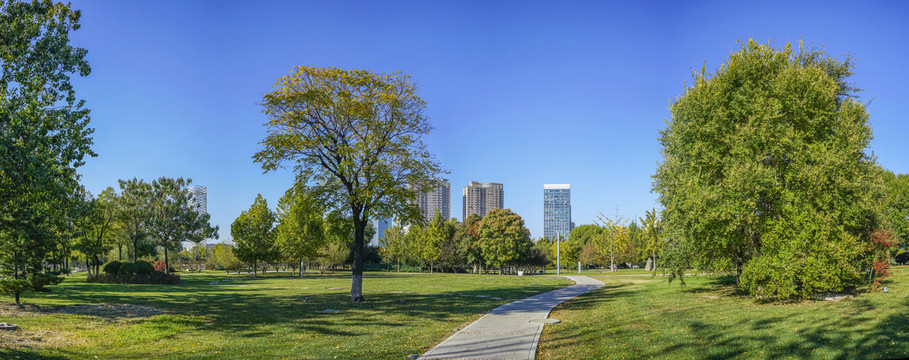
(559, 253)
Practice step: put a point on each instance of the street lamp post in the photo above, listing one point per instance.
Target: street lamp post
(559, 253)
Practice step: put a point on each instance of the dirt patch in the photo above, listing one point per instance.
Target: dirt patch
(35, 339)
(110, 311)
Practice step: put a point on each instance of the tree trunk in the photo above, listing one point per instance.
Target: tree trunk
(119, 252)
(356, 288)
(302, 265)
(166, 263)
(17, 298)
(255, 268)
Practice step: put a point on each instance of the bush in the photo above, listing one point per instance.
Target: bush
(144, 267)
(155, 277)
(159, 265)
(128, 268)
(112, 267)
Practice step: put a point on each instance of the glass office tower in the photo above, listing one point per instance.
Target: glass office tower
(556, 210)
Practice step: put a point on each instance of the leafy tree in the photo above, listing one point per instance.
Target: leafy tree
(567, 253)
(173, 219)
(766, 175)
(394, 244)
(589, 255)
(451, 253)
(503, 238)
(254, 233)
(356, 134)
(897, 202)
(467, 236)
(438, 232)
(614, 238)
(584, 234)
(652, 236)
(300, 231)
(44, 137)
(97, 227)
(225, 258)
(135, 213)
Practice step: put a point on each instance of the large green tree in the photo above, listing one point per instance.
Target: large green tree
(135, 214)
(503, 238)
(173, 219)
(301, 229)
(44, 137)
(96, 227)
(766, 175)
(897, 202)
(356, 136)
(254, 234)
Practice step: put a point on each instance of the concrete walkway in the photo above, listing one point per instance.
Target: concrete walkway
(511, 331)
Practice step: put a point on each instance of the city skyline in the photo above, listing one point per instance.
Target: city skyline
(479, 198)
(520, 94)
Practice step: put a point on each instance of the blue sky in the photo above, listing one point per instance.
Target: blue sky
(522, 93)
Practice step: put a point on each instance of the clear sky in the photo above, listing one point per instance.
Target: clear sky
(522, 93)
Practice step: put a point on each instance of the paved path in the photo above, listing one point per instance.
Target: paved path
(509, 331)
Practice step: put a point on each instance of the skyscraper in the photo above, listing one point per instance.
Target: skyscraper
(437, 199)
(199, 199)
(381, 225)
(556, 210)
(480, 198)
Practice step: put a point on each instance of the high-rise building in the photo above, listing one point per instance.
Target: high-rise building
(437, 199)
(199, 199)
(381, 224)
(556, 210)
(480, 198)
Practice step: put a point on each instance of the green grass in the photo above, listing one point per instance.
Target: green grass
(643, 317)
(243, 318)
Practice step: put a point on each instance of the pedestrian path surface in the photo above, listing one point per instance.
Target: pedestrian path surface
(511, 331)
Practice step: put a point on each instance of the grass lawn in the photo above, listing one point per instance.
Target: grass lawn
(643, 317)
(215, 316)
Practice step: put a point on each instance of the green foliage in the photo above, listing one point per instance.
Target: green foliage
(253, 231)
(95, 227)
(173, 220)
(224, 257)
(614, 240)
(154, 277)
(112, 267)
(897, 202)
(301, 229)
(134, 215)
(503, 238)
(128, 268)
(44, 136)
(765, 173)
(652, 240)
(567, 253)
(355, 134)
(144, 267)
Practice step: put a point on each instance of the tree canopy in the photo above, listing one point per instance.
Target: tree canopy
(254, 233)
(355, 136)
(44, 136)
(766, 175)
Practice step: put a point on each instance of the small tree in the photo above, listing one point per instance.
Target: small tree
(300, 231)
(652, 237)
(96, 227)
(614, 238)
(503, 238)
(253, 231)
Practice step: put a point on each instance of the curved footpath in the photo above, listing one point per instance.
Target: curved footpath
(510, 331)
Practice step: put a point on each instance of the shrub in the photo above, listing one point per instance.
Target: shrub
(159, 265)
(112, 267)
(155, 277)
(144, 267)
(128, 268)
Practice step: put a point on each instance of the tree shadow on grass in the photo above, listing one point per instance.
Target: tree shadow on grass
(26, 354)
(854, 328)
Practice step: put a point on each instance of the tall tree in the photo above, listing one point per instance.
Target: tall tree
(652, 236)
(301, 230)
(44, 137)
(468, 238)
(437, 232)
(614, 238)
(356, 134)
(503, 238)
(254, 233)
(135, 205)
(766, 174)
(897, 202)
(173, 219)
(97, 227)
(394, 244)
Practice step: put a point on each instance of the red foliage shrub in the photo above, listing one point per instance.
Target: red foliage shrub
(159, 265)
(882, 242)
